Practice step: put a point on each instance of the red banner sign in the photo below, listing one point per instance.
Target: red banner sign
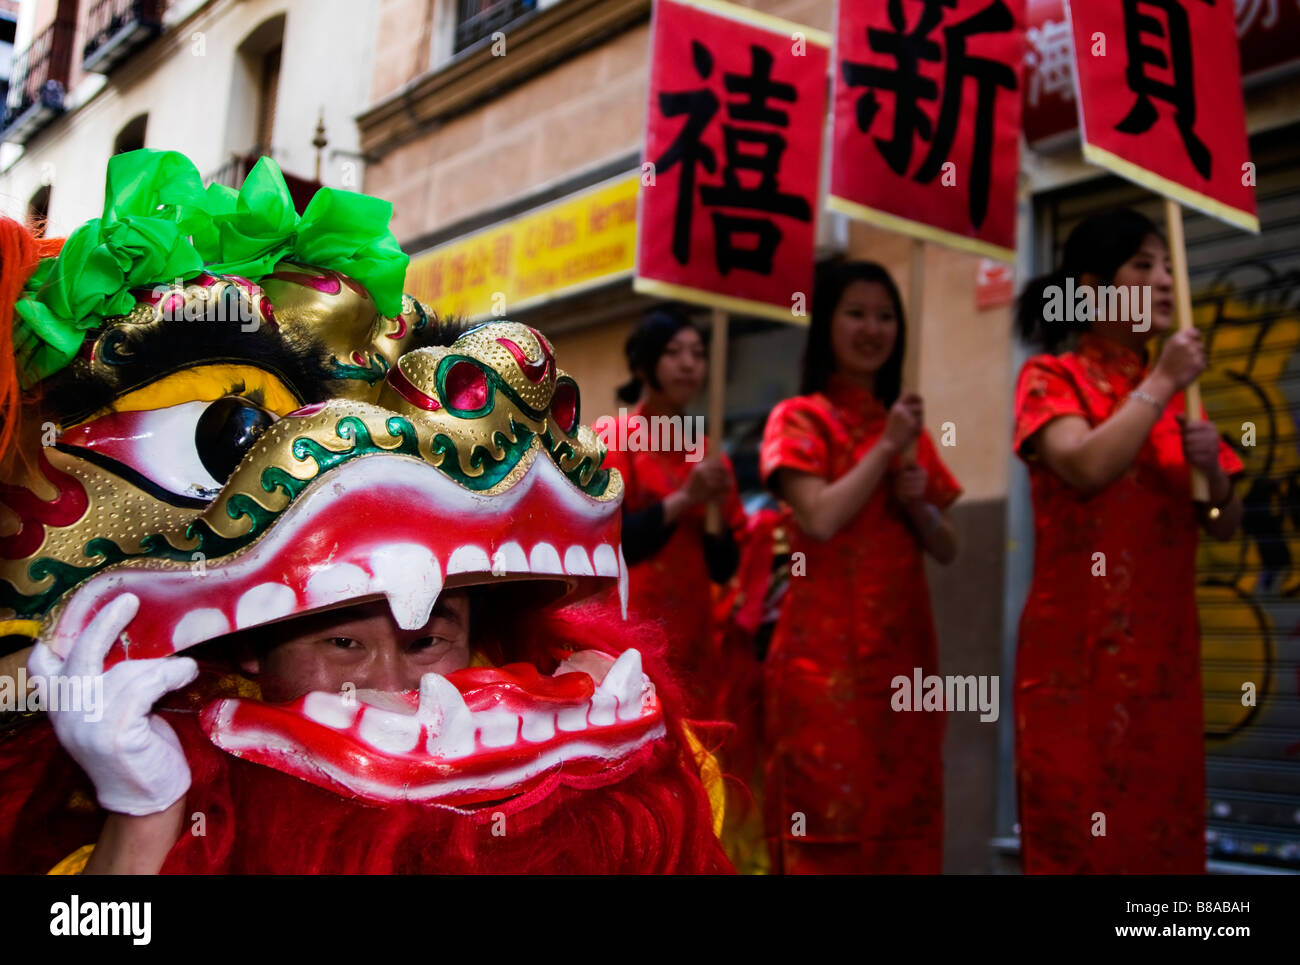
(1266, 32)
(729, 190)
(927, 100)
(1160, 102)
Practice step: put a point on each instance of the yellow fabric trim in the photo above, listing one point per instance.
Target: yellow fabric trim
(917, 229)
(20, 628)
(75, 863)
(744, 306)
(207, 383)
(711, 776)
(756, 19)
(1171, 189)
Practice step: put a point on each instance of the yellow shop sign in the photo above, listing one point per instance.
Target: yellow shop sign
(577, 242)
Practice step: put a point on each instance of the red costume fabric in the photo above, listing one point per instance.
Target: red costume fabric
(1108, 678)
(654, 817)
(673, 586)
(852, 785)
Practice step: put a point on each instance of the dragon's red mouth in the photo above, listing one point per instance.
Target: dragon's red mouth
(394, 527)
(465, 738)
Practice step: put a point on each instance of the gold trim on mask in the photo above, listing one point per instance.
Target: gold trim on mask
(20, 628)
(207, 383)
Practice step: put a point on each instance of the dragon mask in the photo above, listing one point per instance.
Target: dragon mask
(263, 427)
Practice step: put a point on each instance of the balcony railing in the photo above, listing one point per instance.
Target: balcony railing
(38, 82)
(234, 171)
(476, 19)
(115, 29)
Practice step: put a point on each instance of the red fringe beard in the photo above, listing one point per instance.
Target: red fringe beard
(256, 820)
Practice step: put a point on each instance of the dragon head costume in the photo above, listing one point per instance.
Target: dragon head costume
(230, 410)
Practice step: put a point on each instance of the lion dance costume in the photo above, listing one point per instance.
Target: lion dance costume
(230, 410)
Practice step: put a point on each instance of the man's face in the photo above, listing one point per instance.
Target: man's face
(362, 645)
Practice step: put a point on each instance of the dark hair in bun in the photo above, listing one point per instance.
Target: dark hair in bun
(646, 344)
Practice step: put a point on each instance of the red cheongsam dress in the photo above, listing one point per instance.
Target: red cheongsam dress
(673, 586)
(853, 786)
(1109, 748)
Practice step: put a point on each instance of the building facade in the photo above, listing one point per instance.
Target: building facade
(224, 81)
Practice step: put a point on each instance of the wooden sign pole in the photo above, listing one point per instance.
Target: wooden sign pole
(713, 522)
(1183, 314)
(915, 299)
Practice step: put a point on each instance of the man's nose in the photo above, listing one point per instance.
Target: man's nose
(386, 670)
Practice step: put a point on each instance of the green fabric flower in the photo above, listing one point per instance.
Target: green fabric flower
(328, 235)
(251, 230)
(159, 226)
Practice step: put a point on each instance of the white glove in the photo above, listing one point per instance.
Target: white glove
(132, 756)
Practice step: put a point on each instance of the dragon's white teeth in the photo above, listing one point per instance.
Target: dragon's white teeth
(264, 603)
(199, 625)
(603, 707)
(572, 718)
(332, 710)
(539, 725)
(385, 700)
(389, 732)
(468, 559)
(605, 561)
(443, 711)
(336, 583)
(544, 559)
(624, 683)
(577, 563)
(509, 558)
(410, 577)
(622, 581)
(497, 727)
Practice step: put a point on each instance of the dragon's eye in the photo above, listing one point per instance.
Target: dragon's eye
(466, 388)
(564, 405)
(182, 454)
(226, 431)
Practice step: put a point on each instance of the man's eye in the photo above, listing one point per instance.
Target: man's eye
(343, 643)
(426, 643)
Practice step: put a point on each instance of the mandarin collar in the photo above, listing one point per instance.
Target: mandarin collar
(1111, 357)
(845, 393)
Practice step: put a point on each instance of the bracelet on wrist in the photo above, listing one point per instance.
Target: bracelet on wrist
(1148, 398)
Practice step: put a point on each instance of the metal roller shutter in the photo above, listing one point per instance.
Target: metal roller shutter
(1246, 291)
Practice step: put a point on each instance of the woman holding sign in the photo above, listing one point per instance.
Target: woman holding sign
(1109, 747)
(854, 785)
(668, 483)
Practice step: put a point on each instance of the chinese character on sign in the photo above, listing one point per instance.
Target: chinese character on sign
(731, 167)
(1249, 10)
(910, 85)
(1174, 58)
(1163, 107)
(753, 144)
(1049, 61)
